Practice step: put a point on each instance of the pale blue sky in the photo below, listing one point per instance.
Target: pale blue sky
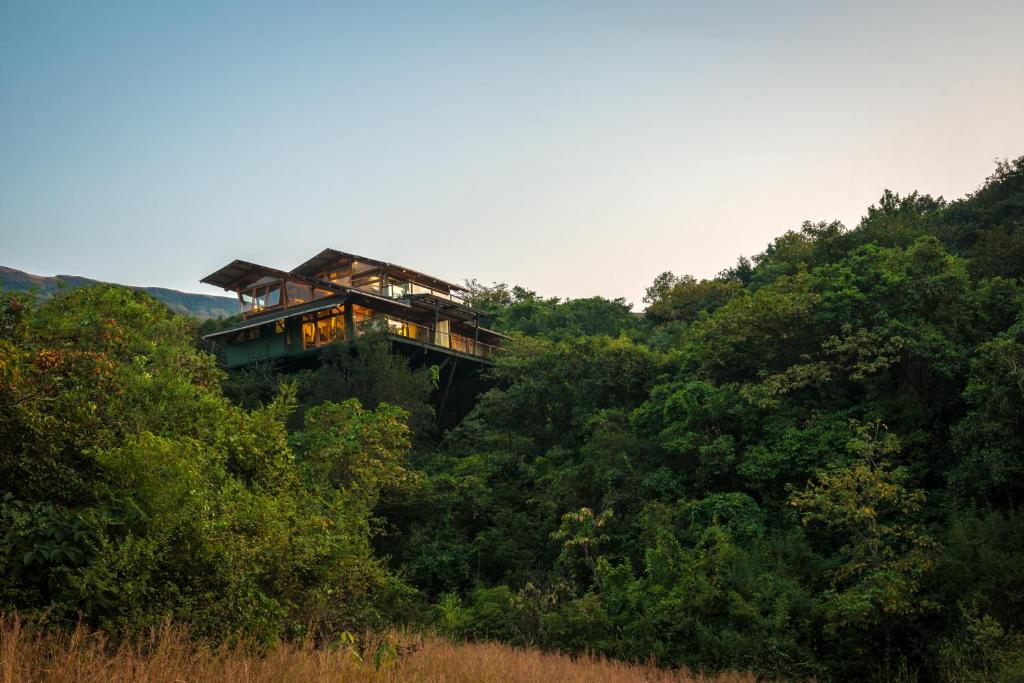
(575, 148)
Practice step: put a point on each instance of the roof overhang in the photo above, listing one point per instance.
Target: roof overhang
(328, 257)
(239, 274)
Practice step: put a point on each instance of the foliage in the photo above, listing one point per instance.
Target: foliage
(517, 309)
(135, 491)
(805, 473)
(814, 462)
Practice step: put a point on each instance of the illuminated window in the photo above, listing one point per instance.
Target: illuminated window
(322, 328)
(441, 334)
(257, 299)
(398, 327)
(362, 317)
(339, 277)
(398, 288)
(368, 284)
(298, 294)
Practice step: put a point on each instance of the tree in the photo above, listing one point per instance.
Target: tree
(884, 552)
(582, 532)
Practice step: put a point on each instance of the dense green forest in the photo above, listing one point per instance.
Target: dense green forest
(811, 465)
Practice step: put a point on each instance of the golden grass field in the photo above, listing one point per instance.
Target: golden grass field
(167, 655)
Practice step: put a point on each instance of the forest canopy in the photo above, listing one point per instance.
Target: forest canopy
(811, 465)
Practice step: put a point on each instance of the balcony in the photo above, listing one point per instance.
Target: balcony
(422, 334)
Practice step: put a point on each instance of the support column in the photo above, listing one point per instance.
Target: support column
(447, 388)
(350, 322)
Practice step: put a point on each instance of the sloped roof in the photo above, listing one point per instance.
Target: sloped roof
(239, 274)
(328, 257)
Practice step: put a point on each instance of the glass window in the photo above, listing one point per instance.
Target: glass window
(247, 301)
(441, 334)
(398, 288)
(273, 296)
(361, 313)
(362, 266)
(396, 326)
(324, 330)
(367, 284)
(298, 294)
(339, 276)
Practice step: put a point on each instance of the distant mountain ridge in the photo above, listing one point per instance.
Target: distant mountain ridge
(202, 306)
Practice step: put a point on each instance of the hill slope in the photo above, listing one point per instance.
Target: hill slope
(202, 306)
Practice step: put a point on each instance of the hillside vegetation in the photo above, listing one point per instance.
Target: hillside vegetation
(810, 466)
(201, 306)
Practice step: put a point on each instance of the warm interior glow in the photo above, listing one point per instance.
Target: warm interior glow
(323, 327)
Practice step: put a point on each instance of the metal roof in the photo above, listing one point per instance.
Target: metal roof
(238, 274)
(328, 257)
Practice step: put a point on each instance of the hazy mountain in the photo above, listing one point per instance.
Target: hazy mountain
(201, 306)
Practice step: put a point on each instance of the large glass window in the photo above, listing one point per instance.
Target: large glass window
(396, 326)
(308, 334)
(322, 293)
(421, 289)
(340, 276)
(298, 294)
(362, 317)
(257, 299)
(322, 328)
(441, 334)
(398, 288)
(370, 283)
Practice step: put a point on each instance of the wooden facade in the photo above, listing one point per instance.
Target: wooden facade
(336, 296)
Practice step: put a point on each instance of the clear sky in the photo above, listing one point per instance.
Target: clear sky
(574, 148)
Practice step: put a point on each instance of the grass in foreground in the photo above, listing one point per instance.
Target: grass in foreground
(167, 654)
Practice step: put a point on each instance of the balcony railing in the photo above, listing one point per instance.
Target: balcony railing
(421, 333)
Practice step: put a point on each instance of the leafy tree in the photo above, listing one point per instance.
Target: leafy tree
(684, 297)
(132, 490)
(582, 532)
(884, 552)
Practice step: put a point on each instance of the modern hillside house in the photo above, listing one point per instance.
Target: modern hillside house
(336, 296)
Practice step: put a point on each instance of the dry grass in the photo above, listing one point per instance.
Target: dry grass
(167, 655)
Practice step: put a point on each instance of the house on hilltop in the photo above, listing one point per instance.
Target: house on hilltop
(337, 296)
